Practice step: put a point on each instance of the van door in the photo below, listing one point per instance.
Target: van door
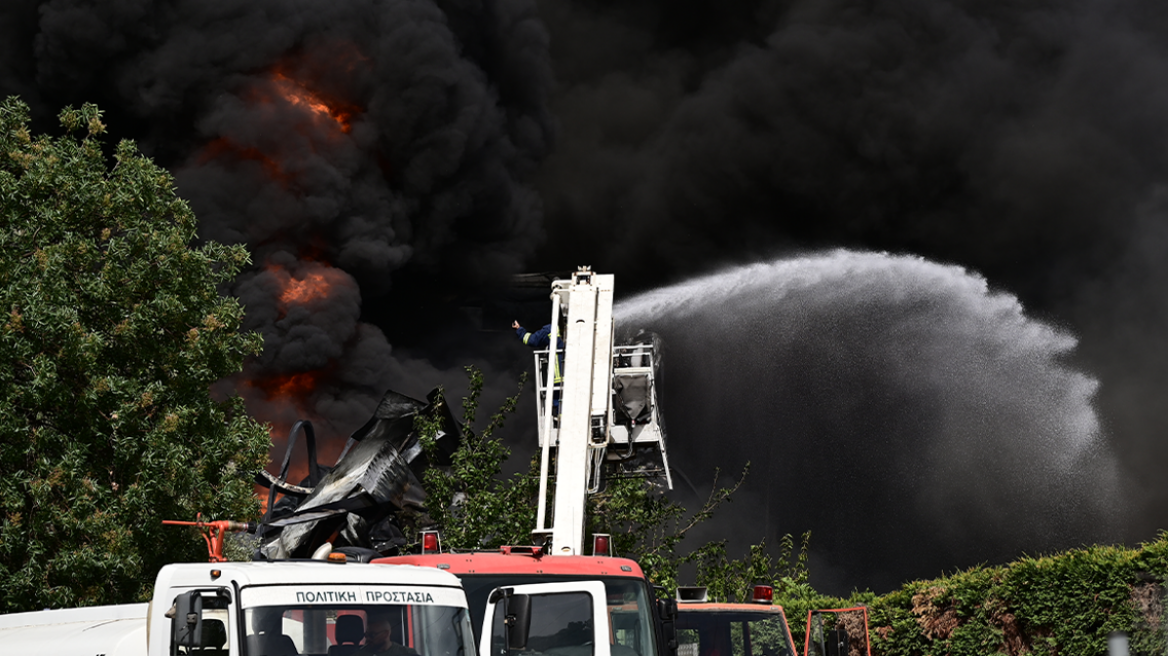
(546, 619)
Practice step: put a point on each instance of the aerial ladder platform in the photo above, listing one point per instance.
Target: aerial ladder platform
(608, 424)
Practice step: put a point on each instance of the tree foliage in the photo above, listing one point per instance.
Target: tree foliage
(651, 528)
(112, 332)
(1066, 603)
(476, 508)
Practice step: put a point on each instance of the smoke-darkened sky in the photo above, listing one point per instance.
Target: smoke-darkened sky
(1004, 363)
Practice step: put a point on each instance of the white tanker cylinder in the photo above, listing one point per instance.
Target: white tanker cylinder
(108, 630)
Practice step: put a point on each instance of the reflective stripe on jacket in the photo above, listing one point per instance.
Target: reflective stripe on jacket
(540, 339)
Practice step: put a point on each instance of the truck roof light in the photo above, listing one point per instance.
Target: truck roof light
(763, 594)
(601, 544)
(215, 573)
(692, 594)
(512, 549)
(430, 542)
(336, 557)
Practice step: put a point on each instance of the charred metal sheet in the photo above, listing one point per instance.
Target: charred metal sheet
(376, 481)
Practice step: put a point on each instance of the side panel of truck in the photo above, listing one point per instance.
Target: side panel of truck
(288, 604)
(109, 630)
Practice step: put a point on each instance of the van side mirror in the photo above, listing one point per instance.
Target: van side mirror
(837, 642)
(518, 620)
(187, 624)
(667, 615)
(516, 616)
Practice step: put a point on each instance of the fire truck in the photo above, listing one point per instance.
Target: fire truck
(758, 628)
(320, 607)
(553, 598)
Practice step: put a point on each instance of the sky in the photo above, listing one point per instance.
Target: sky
(906, 256)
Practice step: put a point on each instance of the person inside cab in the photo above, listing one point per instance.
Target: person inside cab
(380, 635)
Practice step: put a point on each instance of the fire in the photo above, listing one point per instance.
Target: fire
(280, 88)
(295, 95)
(292, 392)
(292, 386)
(299, 95)
(309, 282)
(312, 286)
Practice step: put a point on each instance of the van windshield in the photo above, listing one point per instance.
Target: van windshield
(713, 633)
(336, 623)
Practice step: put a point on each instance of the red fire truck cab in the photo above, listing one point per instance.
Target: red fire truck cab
(565, 595)
(720, 629)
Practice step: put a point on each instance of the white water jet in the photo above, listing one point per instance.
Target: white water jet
(914, 419)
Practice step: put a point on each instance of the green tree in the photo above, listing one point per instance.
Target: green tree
(474, 507)
(649, 527)
(114, 331)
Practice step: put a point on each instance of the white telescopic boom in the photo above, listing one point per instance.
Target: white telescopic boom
(549, 400)
(584, 407)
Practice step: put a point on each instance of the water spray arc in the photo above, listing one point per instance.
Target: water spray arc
(893, 401)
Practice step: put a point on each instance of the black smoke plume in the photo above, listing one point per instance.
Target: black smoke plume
(1026, 142)
(403, 151)
(344, 143)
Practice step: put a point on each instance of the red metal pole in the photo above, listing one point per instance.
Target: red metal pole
(213, 533)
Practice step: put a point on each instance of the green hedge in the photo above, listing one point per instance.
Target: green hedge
(1063, 604)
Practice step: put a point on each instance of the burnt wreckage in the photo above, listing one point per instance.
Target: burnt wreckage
(371, 498)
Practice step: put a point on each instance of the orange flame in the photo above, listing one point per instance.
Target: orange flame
(312, 281)
(312, 286)
(338, 114)
(292, 389)
(295, 386)
(298, 94)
